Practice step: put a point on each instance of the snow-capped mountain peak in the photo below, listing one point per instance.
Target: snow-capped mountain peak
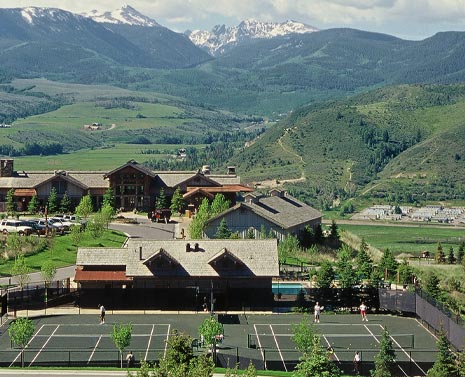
(126, 15)
(221, 37)
(32, 14)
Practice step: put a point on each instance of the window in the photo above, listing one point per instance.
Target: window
(60, 186)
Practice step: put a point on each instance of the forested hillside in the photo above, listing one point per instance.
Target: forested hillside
(401, 143)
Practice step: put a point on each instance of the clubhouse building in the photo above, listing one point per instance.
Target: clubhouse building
(179, 275)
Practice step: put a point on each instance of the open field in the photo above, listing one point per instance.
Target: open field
(104, 159)
(408, 239)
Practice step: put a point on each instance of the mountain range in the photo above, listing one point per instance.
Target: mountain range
(222, 39)
(332, 144)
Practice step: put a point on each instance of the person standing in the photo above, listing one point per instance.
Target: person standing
(317, 312)
(356, 362)
(130, 359)
(363, 312)
(102, 314)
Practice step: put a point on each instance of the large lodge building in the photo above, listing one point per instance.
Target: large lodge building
(134, 186)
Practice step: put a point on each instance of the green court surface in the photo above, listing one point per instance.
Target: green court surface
(264, 339)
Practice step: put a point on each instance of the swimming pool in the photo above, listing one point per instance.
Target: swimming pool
(287, 288)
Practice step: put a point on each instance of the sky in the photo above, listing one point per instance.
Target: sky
(408, 19)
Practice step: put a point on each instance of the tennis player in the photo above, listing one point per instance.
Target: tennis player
(363, 312)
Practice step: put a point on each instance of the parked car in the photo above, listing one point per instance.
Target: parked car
(160, 215)
(52, 225)
(38, 229)
(15, 226)
(66, 224)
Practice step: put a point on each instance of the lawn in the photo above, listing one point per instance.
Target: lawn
(408, 239)
(62, 252)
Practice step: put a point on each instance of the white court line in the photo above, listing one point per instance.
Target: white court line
(260, 345)
(279, 349)
(150, 341)
(166, 341)
(43, 346)
(19, 355)
(329, 345)
(93, 351)
(407, 354)
(403, 371)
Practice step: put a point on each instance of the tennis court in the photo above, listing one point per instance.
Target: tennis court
(264, 339)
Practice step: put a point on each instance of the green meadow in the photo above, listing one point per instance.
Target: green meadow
(104, 159)
(409, 239)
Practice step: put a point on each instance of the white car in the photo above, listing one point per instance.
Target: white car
(15, 226)
(52, 225)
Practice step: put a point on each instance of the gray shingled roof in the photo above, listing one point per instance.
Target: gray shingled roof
(285, 212)
(33, 179)
(260, 256)
(102, 256)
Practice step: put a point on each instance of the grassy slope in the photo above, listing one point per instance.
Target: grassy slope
(154, 117)
(328, 142)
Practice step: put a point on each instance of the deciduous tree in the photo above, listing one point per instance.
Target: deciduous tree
(85, 207)
(20, 332)
(21, 270)
(121, 336)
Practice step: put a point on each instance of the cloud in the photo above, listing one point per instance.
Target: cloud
(394, 16)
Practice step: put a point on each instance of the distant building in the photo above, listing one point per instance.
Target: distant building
(134, 186)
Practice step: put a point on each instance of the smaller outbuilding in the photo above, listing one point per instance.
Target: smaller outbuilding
(277, 213)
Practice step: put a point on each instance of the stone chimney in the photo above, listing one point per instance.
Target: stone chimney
(6, 168)
(188, 247)
(231, 170)
(206, 169)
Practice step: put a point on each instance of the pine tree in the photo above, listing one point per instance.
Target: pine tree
(160, 201)
(460, 253)
(325, 275)
(388, 264)
(52, 201)
(451, 257)
(432, 285)
(11, 205)
(347, 275)
(363, 262)
(385, 359)
(33, 206)
(445, 363)
(223, 231)
(65, 204)
(333, 231)
(177, 201)
(440, 257)
(405, 272)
